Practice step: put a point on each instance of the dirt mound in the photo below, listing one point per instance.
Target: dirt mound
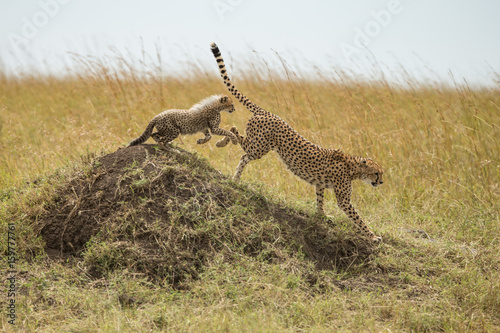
(166, 213)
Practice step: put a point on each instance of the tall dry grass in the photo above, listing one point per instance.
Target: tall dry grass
(439, 145)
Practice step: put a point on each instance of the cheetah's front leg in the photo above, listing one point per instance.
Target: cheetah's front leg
(343, 195)
(224, 141)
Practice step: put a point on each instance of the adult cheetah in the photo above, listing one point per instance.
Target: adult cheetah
(323, 168)
(202, 117)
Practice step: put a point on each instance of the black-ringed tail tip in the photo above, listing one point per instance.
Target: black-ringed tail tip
(215, 49)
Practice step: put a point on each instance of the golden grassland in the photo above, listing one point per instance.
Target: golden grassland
(439, 147)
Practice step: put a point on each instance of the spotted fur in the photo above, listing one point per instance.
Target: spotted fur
(203, 117)
(322, 168)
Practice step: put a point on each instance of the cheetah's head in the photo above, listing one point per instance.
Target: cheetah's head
(370, 172)
(227, 104)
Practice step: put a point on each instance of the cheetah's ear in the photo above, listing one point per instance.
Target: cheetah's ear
(223, 99)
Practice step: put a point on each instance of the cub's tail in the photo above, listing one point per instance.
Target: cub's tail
(144, 136)
(230, 86)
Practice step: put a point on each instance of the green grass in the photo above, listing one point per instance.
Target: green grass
(438, 268)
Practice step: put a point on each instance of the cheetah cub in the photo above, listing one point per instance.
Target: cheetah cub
(202, 117)
(323, 168)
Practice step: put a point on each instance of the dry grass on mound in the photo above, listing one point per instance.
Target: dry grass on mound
(165, 214)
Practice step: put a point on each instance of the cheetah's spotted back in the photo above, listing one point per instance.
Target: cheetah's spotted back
(202, 117)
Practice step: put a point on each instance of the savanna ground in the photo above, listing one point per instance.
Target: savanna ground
(156, 240)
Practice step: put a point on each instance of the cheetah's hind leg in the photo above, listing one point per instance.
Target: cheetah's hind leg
(158, 138)
(245, 159)
(163, 141)
(207, 137)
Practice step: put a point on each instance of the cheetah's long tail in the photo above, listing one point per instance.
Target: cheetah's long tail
(230, 86)
(144, 136)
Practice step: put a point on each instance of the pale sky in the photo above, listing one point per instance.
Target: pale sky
(426, 37)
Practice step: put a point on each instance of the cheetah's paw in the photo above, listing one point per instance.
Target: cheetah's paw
(222, 143)
(201, 141)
